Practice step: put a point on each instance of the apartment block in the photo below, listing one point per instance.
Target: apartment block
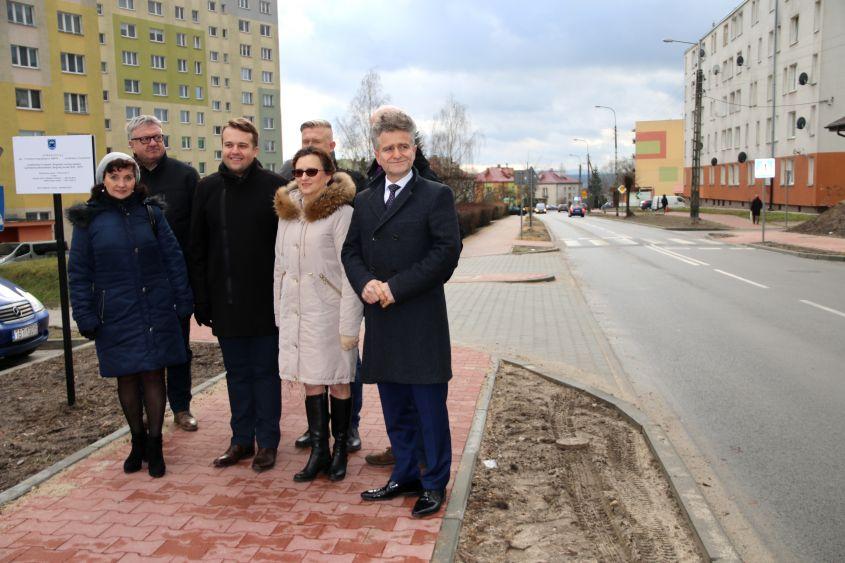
(659, 159)
(772, 81)
(193, 64)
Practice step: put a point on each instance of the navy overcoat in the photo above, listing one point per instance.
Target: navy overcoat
(127, 284)
(414, 246)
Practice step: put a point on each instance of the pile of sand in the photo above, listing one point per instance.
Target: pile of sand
(830, 223)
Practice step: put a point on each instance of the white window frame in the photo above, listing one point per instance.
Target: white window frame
(163, 114)
(186, 143)
(76, 103)
(182, 65)
(128, 30)
(156, 35)
(29, 53)
(268, 123)
(76, 67)
(181, 39)
(266, 77)
(183, 91)
(265, 30)
(132, 111)
(184, 116)
(247, 98)
(246, 74)
(155, 8)
(33, 99)
(129, 58)
(266, 54)
(200, 118)
(131, 86)
(126, 4)
(69, 22)
(158, 62)
(159, 88)
(20, 13)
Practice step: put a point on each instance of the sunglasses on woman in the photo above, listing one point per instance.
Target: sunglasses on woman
(310, 172)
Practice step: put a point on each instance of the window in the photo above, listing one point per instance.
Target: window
(200, 118)
(201, 168)
(181, 40)
(246, 50)
(183, 91)
(182, 65)
(197, 67)
(105, 95)
(225, 82)
(266, 77)
(790, 125)
(128, 30)
(267, 100)
(184, 116)
(814, 68)
(213, 56)
(212, 6)
(156, 35)
(199, 92)
(132, 111)
(266, 53)
(768, 130)
(76, 103)
(218, 155)
(755, 11)
(163, 114)
(132, 86)
(154, 7)
(268, 123)
(70, 23)
(243, 26)
(264, 7)
(212, 31)
(270, 146)
(21, 13)
(104, 67)
(817, 16)
(201, 143)
(215, 105)
(787, 172)
(197, 42)
(728, 139)
(129, 58)
(179, 12)
(226, 58)
(246, 98)
(186, 143)
(107, 124)
(811, 170)
(757, 133)
(27, 99)
(250, 118)
(126, 4)
(101, 37)
(215, 81)
(271, 166)
(158, 62)
(770, 84)
(793, 29)
(25, 56)
(217, 130)
(195, 16)
(224, 33)
(759, 49)
(811, 125)
(73, 63)
(246, 73)
(723, 180)
(243, 4)
(159, 88)
(264, 30)
(792, 78)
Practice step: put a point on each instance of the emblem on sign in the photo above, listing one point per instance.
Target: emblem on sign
(51, 144)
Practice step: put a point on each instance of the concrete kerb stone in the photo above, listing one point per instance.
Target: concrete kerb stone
(27, 485)
(713, 543)
(810, 255)
(450, 529)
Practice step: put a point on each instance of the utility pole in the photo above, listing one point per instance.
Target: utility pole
(696, 142)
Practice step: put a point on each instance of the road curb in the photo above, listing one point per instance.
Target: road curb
(810, 255)
(450, 529)
(30, 483)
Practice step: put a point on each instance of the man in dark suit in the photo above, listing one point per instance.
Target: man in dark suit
(402, 247)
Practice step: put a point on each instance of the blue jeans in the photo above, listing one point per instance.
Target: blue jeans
(255, 390)
(179, 375)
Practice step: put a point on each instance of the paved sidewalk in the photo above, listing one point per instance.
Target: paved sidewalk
(748, 233)
(94, 512)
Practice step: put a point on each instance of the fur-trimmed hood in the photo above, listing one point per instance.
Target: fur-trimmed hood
(340, 192)
(81, 214)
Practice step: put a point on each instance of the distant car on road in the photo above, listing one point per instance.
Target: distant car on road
(645, 205)
(576, 209)
(551, 207)
(23, 321)
(540, 208)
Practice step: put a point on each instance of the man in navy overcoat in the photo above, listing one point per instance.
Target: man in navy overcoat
(403, 245)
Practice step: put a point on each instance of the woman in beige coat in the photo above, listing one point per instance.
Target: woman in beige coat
(317, 311)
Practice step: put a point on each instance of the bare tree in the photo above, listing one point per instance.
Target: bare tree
(453, 144)
(354, 128)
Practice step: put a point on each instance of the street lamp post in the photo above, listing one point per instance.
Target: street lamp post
(579, 169)
(694, 203)
(615, 144)
(588, 161)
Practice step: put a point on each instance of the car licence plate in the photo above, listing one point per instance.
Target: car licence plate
(25, 332)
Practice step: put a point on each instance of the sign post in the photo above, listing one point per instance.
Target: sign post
(764, 168)
(62, 164)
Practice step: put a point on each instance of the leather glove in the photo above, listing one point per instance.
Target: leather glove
(348, 342)
(90, 334)
(202, 314)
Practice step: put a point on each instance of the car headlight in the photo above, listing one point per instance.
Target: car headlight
(37, 305)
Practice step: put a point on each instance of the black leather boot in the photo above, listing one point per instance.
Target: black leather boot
(137, 455)
(155, 457)
(341, 419)
(317, 411)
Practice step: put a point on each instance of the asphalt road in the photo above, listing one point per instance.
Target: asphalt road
(747, 347)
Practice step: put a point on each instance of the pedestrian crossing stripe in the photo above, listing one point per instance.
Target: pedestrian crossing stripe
(681, 241)
(627, 241)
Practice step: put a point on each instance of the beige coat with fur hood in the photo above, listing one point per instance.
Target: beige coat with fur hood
(314, 302)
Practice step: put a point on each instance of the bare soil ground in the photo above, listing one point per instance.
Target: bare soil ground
(537, 230)
(829, 223)
(606, 501)
(39, 428)
(671, 220)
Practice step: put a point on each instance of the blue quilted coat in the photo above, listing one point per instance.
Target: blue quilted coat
(128, 282)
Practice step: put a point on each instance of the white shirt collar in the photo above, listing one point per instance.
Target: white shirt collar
(402, 182)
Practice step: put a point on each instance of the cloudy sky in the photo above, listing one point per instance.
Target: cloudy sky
(529, 72)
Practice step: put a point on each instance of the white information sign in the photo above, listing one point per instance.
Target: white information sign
(764, 168)
(53, 164)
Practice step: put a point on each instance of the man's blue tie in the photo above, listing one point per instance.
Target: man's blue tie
(392, 197)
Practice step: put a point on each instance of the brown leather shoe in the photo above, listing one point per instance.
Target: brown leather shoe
(382, 459)
(185, 420)
(234, 454)
(265, 459)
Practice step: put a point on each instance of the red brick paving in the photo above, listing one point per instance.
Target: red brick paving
(94, 512)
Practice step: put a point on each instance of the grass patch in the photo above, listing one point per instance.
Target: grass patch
(40, 277)
(774, 216)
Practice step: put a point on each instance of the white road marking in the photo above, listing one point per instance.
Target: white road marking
(676, 256)
(571, 242)
(822, 307)
(681, 241)
(710, 248)
(710, 241)
(760, 285)
(626, 241)
(652, 241)
(598, 242)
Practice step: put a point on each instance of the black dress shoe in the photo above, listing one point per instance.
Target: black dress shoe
(233, 455)
(265, 459)
(353, 441)
(393, 490)
(303, 441)
(428, 503)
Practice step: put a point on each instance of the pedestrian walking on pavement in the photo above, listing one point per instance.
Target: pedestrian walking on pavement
(402, 247)
(129, 292)
(233, 235)
(317, 311)
(756, 207)
(664, 203)
(174, 182)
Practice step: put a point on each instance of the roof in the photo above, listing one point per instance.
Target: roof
(838, 125)
(495, 174)
(552, 177)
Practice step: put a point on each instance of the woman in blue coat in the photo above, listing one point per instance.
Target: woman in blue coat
(128, 289)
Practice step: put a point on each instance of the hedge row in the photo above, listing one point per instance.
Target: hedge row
(472, 216)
